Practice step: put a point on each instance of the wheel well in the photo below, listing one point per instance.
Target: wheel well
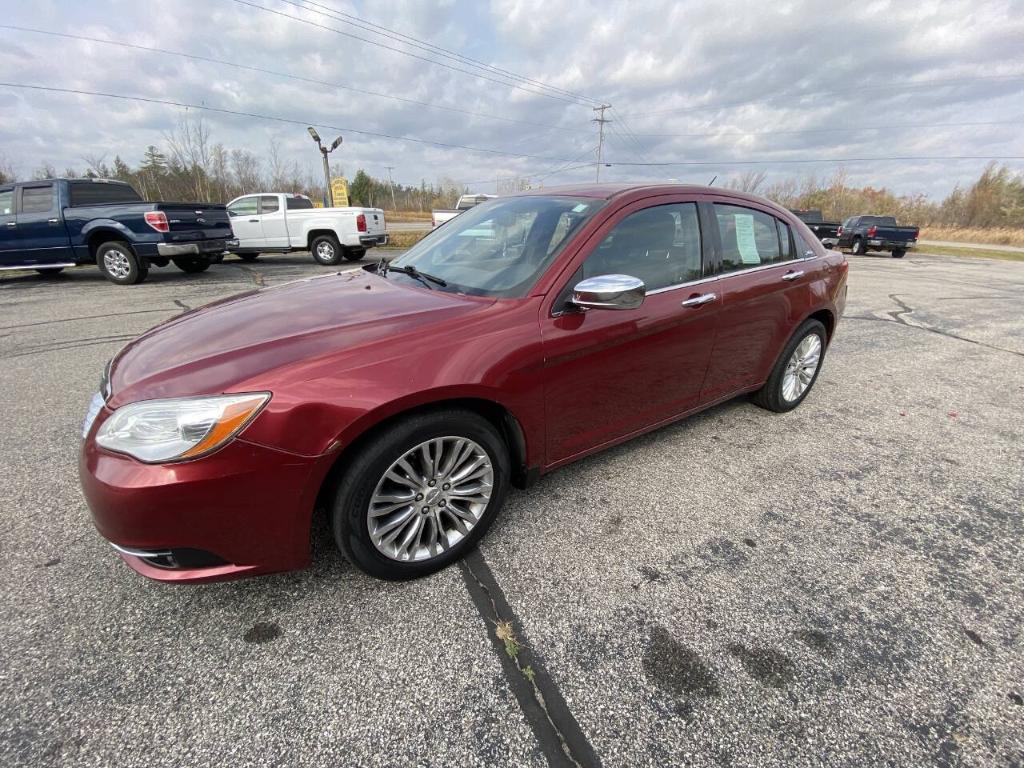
(499, 417)
(101, 236)
(825, 318)
(315, 233)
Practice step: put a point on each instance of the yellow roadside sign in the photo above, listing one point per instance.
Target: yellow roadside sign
(339, 191)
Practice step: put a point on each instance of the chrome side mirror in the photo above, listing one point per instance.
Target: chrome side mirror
(609, 292)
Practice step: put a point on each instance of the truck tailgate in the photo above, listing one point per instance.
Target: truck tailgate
(374, 221)
(196, 222)
(896, 234)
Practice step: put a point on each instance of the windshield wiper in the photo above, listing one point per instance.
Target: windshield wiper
(383, 268)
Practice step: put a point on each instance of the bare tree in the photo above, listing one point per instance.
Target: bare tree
(190, 152)
(96, 164)
(748, 182)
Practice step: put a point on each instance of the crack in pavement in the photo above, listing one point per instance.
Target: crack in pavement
(62, 346)
(542, 704)
(899, 316)
(83, 317)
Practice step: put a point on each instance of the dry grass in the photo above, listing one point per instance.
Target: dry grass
(406, 217)
(990, 236)
(405, 239)
(976, 253)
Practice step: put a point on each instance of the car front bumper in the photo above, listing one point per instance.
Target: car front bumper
(244, 510)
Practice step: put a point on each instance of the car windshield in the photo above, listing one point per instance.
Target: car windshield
(498, 248)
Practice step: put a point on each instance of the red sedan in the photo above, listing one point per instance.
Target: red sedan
(407, 398)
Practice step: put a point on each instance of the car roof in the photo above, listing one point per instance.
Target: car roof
(609, 191)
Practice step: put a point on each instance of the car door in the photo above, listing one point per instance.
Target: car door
(245, 222)
(763, 288)
(9, 254)
(272, 217)
(610, 373)
(42, 236)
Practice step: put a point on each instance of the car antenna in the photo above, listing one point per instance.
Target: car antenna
(712, 182)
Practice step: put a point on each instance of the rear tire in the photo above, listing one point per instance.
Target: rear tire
(858, 249)
(249, 257)
(355, 254)
(326, 250)
(791, 368)
(119, 264)
(365, 478)
(899, 253)
(192, 266)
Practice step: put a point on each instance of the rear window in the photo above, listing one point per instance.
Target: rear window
(6, 202)
(37, 199)
(878, 221)
(94, 193)
(298, 203)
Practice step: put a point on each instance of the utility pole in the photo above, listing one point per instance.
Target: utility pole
(600, 137)
(394, 205)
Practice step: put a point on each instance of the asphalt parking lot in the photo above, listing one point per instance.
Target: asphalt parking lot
(841, 585)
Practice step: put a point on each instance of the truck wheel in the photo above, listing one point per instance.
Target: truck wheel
(191, 266)
(119, 264)
(249, 257)
(326, 250)
(899, 253)
(857, 249)
(354, 254)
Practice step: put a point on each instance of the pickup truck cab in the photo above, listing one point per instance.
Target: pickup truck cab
(440, 215)
(278, 222)
(826, 231)
(876, 233)
(51, 224)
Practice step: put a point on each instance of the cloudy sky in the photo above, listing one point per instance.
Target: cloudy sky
(705, 82)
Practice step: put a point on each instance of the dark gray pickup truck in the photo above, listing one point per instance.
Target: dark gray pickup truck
(55, 223)
(876, 233)
(827, 231)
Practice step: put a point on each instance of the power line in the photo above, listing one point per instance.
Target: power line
(600, 141)
(426, 45)
(274, 118)
(399, 50)
(287, 75)
(831, 130)
(837, 160)
(891, 86)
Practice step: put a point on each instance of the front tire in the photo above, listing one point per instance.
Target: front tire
(421, 494)
(796, 370)
(119, 264)
(192, 266)
(899, 253)
(326, 250)
(858, 249)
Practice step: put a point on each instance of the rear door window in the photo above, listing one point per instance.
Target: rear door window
(298, 203)
(6, 202)
(246, 206)
(37, 199)
(749, 238)
(269, 204)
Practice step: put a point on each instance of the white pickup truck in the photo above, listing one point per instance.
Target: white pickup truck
(277, 222)
(439, 216)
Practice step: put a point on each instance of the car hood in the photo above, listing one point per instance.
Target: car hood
(239, 339)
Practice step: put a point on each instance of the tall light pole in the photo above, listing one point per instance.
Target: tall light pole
(325, 151)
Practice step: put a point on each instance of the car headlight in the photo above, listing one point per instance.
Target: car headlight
(178, 429)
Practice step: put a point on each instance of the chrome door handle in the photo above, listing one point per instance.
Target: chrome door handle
(697, 301)
(12, 224)
(793, 275)
(53, 221)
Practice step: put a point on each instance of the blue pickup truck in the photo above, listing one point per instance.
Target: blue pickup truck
(55, 223)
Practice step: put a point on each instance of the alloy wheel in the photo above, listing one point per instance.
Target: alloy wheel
(430, 499)
(117, 263)
(325, 251)
(802, 366)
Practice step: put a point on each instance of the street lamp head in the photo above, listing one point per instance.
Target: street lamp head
(336, 144)
(314, 134)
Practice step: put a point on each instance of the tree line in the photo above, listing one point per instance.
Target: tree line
(191, 166)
